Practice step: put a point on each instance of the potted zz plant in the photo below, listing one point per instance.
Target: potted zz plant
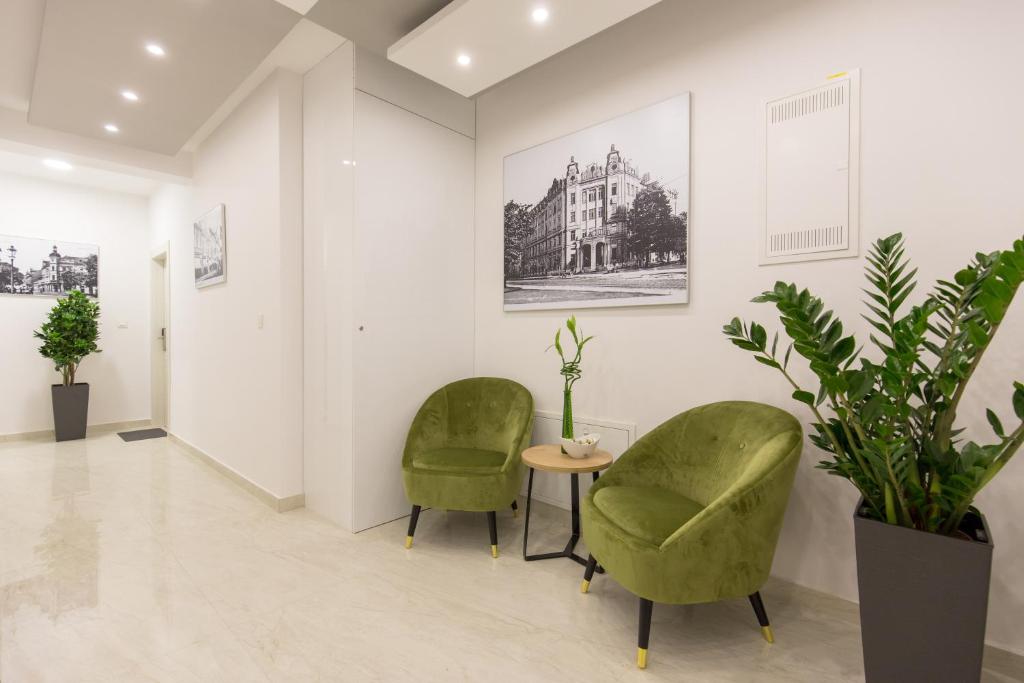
(69, 335)
(924, 553)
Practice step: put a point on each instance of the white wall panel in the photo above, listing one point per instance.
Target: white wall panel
(413, 289)
(388, 281)
(235, 384)
(810, 185)
(327, 301)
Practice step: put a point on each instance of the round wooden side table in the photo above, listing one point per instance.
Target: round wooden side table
(549, 458)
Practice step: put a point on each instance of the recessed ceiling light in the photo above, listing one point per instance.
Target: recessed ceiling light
(111, 128)
(130, 95)
(57, 164)
(540, 15)
(463, 60)
(155, 50)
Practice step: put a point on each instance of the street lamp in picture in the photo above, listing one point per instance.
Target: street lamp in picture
(12, 251)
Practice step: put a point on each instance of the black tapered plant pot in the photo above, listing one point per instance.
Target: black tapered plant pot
(70, 410)
(923, 600)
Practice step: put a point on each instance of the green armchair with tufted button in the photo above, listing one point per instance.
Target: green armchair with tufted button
(692, 512)
(464, 449)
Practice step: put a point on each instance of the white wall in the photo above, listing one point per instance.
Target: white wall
(941, 161)
(235, 388)
(327, 267)
(388, 274)
(119, 376)
(413, 288)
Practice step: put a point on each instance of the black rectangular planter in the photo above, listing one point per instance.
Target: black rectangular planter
(70, 410)
(923, 601)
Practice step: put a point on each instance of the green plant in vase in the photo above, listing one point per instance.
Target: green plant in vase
(70, 334)
(570, 371)
(924, 552)
(891, 432)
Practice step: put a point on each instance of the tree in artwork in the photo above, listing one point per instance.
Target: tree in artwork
(517, 227)
(650, 226)
(92, 273)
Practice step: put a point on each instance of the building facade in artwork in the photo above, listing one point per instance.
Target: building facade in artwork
(580, 224)
(208, 253)
(61, 274)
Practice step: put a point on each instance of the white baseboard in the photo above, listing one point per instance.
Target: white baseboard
(279, 504)
(91, 430)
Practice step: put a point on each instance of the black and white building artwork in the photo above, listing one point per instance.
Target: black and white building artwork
(598, 218)
(42, 267)
(210, 247)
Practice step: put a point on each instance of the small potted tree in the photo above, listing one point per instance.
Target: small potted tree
(924, 552)
(69, 335)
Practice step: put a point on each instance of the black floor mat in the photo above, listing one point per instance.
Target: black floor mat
(140, 434)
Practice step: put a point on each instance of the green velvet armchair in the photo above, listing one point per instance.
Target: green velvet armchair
(692, 512)
(464, 449)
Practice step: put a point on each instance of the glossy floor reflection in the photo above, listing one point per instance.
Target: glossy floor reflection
(132, 561)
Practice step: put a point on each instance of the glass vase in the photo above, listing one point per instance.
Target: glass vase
(567, 415)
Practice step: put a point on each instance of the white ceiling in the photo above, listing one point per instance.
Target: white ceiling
(91, 50)
(501, 38)
(305, 46)
(20, 24)
(63, 63)
(218, 51)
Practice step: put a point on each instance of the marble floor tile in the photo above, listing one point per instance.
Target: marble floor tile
(135, 562)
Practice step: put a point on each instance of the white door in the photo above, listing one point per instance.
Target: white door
(158, 338)
(413, 288)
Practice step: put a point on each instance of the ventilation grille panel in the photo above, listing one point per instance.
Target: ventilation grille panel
(811, 103)
(807, 180)
(809, 240)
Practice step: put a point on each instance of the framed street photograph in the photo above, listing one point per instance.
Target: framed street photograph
(41, 267)
(598, 218)
(210, 247)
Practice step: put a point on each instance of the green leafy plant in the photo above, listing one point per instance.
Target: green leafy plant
(70, 333)
(891, 430)
(570, 371)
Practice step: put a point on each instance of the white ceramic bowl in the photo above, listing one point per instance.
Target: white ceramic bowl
(582, 446)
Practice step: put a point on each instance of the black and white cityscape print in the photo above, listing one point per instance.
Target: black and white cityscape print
(598, 218)
(209, 247)
(42, 267)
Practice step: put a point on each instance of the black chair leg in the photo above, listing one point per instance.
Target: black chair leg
(515, 508)
(646, 607)
(492, 522)
(588, 573)
(415, 517)
(762, 617)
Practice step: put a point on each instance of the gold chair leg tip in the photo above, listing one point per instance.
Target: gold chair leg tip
(641, 657)
(585, 586)
(494, 551)
(408, 541)
(766, 631)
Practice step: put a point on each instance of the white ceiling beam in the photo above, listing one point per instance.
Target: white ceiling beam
(471, 45)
